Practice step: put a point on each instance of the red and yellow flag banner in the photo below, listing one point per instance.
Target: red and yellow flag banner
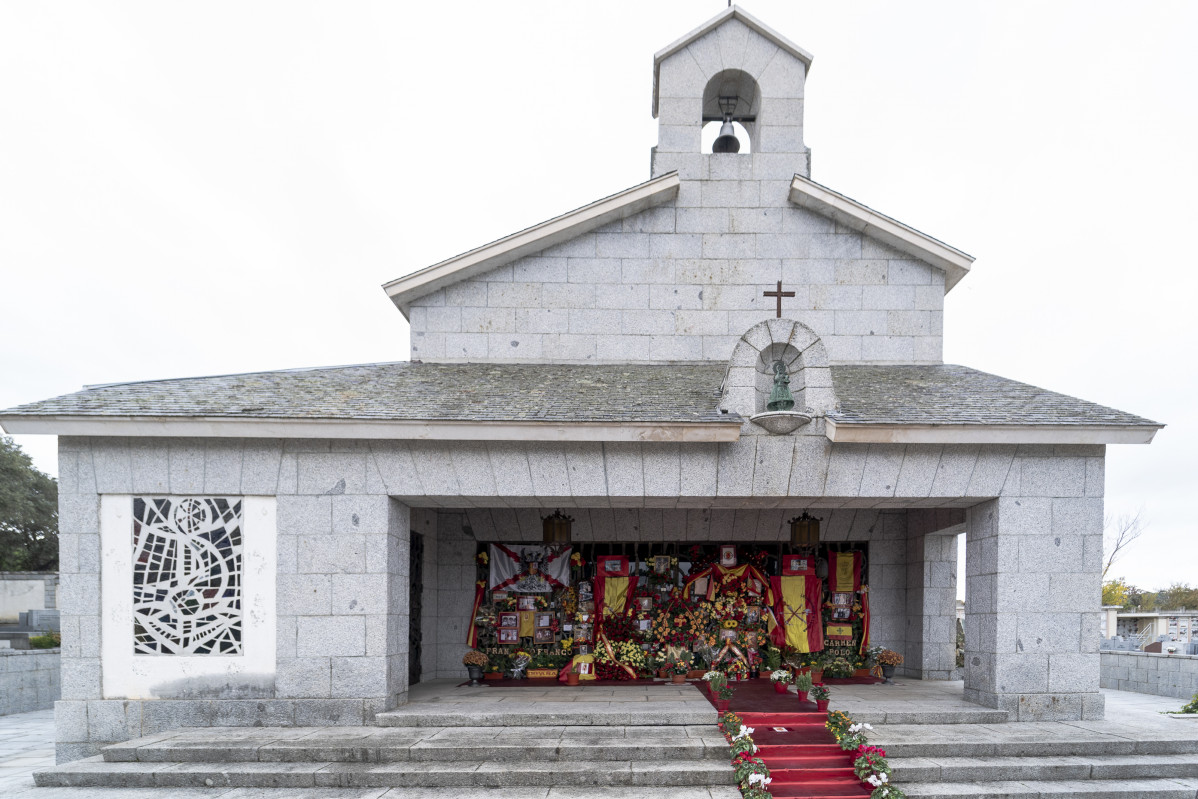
(844, 572)
(480, 588)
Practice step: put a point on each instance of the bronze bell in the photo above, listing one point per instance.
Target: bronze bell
(727, 141)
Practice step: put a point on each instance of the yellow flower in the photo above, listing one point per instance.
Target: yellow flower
(730, 624)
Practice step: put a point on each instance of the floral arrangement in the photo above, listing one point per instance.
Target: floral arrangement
(838, 667)
(474, 658)
(482, 558)
(869, 762)
(718, 683)
(577, 561)
(888, 657)
(678, 623)
(752, 774)
(626, 653)
(820, 692)
(803, 682)
(735, 667)
(781, 676)
(621, 628)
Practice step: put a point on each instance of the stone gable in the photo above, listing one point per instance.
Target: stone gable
(683, 282)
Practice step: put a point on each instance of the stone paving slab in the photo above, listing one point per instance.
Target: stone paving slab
(29, 792)
(1078, 789)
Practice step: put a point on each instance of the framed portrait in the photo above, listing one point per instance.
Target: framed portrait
(727, 635)
(498, 596)
(794, 564)
(842, 614)
(699, 586)
(752, 614)
(644, 625)
(842, 598)
(509, 635)
(728, 556)
(543, 636)
(751, 639)
(526, 603)
(544, 619)
(661, 564)
(509, 620)
(586, 592)
(584, 667)
(586, 607)
(644, 603)
(567, 627)
(584, 632)
(613, 565)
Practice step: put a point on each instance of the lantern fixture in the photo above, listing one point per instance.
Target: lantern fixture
(556, 527)
(727, 141)
(804, 531)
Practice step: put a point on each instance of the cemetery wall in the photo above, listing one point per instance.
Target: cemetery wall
(22, 591)
(29, 680)
(1151, 673)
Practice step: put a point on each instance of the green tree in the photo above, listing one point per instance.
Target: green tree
(1179, 595)
(28, 513)
(1117, 592)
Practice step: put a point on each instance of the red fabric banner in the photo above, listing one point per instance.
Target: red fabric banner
(864, 620)
(810, 612)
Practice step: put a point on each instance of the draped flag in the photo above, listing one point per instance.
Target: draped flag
(797, 609)
(864, 620)
(844, 572)
(840, 632)
(529, 569)
(744, 577)
(612, 595)
(480, 588)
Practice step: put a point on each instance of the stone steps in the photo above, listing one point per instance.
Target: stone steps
(372, 745)
(1072, 789)
(578, 714)
(991, 743)
(95, 772)
(995, 769)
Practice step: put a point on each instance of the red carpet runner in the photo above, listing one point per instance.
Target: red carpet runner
(803, 757)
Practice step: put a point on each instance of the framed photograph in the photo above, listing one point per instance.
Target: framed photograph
(842, 614)
(644, 625)
(584, 633)
(509, 620)
(644, 603)
(544, 619)
(526, 603)
(586, 592)
(751, 639)
(727, 635)
(613, 566)
(728, 556)
(794, 564)
(661, 564)
(567, 627)
(543, 636)
(584, 667)
(509, 635)
(752, 614)
(586, 607)
(498, 596)
(842, 598)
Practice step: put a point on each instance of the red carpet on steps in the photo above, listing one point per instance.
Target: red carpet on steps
(803, 757)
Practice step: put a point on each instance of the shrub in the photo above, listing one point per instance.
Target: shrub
(47, 641)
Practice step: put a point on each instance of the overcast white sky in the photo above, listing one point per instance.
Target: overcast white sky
(204, 188)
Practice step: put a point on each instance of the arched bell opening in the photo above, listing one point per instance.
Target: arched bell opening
(730, 105)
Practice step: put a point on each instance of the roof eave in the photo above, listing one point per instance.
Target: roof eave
(852, 214)
(629, 202)
(707, 27)
(399, 429)
(875, 433)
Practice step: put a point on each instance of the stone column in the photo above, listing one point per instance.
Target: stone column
(1033, 589)
(931, 639)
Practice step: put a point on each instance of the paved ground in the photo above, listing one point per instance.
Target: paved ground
(26, 746)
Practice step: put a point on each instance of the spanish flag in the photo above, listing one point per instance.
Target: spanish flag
(798, 612)
(844, 572)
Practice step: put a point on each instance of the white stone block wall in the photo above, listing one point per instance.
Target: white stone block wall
(683, 282)
(29, 680)
(1033, 587)
(1151, 673)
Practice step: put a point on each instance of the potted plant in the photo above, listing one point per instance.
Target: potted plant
(474, 662)
(888, 659)
(821, 695)
(717, 683)
(573, 676)
(838, 668)
(498, 665)
(803, 685)
(781, 679)
(815, 664)
(680, 667)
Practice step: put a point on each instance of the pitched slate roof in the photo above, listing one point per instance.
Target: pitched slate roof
(946, 394)
(419, 391)
(562, 393)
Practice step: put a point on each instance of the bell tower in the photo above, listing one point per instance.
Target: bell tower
(731, 69)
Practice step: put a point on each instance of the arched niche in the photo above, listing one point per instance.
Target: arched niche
(749, 378)
(738, 84)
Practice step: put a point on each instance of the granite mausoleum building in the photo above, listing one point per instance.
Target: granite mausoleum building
(618, 363)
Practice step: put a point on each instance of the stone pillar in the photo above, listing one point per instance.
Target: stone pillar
(454, 577)
(1033, 589)
(931, 640)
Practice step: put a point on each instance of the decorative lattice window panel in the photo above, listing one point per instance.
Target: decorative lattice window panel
(187, 572)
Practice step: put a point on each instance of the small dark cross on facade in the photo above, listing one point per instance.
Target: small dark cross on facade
(779, 293)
